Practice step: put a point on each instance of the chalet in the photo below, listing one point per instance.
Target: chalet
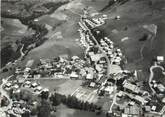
(27, 83)
(131, 87)
(109, 53)
(27, 69)
(96, 57)
(8, 85)
(163, 100)
(153, 108)
(98, 68)
(102, 61)
(83, 72)
(111, 46)
(120, 94)
(92, 84)
(34, 85)
(117, 17)
(64, 56)
(74, 75)
(140, 99)
(147, 108)
(45, 90)
(108, 89)
(132, 111)
(16, 86)
(161, 88)
(17, 91)
(89, 76)
(160, 58)
(90, 53)
(105, 16)
(38, 88)
(82, 26)
(37, 76)
(74, 58)
(21, 78)
(89, 22)
(117, 61)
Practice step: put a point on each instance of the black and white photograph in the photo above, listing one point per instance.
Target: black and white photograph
(82, 58)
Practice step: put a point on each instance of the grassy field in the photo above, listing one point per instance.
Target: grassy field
(63, 21)
(63, 86)
(13, 30)
(135, 14)
(67, 27)
(54, 46)
(52, 84)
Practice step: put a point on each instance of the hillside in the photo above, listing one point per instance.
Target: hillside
(135, 15)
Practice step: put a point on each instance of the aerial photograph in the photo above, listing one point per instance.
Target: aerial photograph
(82, 58)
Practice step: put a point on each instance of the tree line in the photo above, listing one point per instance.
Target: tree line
(32, 41)
(73, 102)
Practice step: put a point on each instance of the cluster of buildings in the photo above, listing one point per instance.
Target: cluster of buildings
(138, 101)
(158, 87)
(130, 100)
(18, 100)
(114, 54)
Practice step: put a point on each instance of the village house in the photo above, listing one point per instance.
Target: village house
(27, 84)
(74, 58)
(160, 59)
(34, 85)
(96, 57)
(92, 84)
(38, 89)
(108, 90)
(131, 87)
(83, 72)
(89, 76)
(74, 75)
(27, 69)
(140, 99)
(136, 98)
(132, 111)
(21, 78)
(8, 85)
(17, 91)
(37, 76)
(15, 86)
(45, 90)
(99, 68)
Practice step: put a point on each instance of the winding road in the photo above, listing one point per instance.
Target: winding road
(22, 54)
(152, 75)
